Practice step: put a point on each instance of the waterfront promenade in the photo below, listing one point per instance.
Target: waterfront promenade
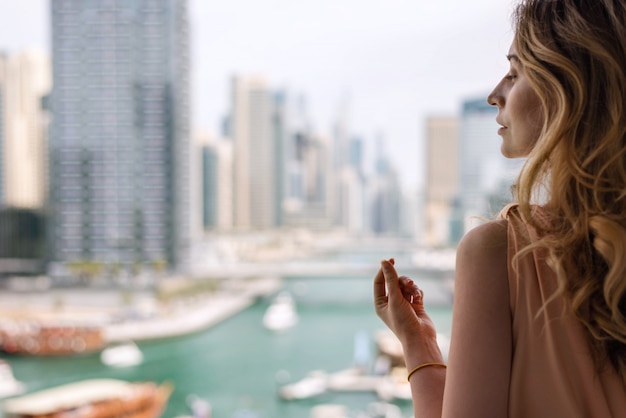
(193, 314)
(139, 315)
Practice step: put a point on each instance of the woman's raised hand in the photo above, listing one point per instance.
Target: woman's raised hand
(400, 305)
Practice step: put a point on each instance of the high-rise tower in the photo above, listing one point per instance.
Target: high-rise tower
(442, 181)
(255, 154)
(24, 82)
(119, 142)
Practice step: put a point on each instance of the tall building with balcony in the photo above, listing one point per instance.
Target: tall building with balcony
(119, 140)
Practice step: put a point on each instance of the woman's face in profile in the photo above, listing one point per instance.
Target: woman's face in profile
(520, 113)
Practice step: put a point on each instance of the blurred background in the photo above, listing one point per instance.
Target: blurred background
(198, 193)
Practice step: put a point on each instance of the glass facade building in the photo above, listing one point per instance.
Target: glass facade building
(119, 139)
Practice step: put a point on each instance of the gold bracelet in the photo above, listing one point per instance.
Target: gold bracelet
(408, 377)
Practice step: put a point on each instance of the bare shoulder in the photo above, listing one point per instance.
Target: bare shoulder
(484, 249)
(487, 239)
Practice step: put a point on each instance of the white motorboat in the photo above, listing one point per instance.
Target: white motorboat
(282, 313)
(312, 385)
(9, 385)
(124, 354)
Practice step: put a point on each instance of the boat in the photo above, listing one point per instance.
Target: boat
(282, 313)
(354, 379)
(392, 386)
(102, 398)
(122, 354)
(41, 339)
(318, 382)
(9, 385)
(314, 384)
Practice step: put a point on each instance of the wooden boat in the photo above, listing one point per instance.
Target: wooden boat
(32, 338)
(95, 398)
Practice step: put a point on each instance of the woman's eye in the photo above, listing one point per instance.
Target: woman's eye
(510, 76)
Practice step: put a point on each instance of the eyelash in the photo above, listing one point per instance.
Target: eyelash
(510, 76)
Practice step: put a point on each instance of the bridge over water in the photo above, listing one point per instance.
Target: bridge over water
(351, 257)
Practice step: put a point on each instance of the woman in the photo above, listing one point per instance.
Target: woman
(538, 326)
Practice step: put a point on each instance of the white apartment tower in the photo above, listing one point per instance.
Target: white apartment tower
(442, 180)
(25, 80)
(255, 154)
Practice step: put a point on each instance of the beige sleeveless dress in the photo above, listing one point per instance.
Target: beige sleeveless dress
(552, 373)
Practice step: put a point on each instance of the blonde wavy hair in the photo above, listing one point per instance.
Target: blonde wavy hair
(574, 55)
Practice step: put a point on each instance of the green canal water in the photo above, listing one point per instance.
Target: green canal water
(237, 365)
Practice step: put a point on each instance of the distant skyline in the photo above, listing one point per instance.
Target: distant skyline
(395, 61)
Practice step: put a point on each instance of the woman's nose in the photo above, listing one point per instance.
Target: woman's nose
(496, 98)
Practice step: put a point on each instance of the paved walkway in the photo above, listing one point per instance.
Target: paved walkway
(178, 317)
(185, 319)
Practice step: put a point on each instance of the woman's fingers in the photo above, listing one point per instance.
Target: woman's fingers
(379, 284)
(391, 279)
(380, 287)
(387, 283)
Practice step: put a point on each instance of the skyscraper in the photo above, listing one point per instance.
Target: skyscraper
(306, 201)
(216, 156)
(386, 195)
(345, 182)
(255, 154)
(119, 143)
(24, 82)
(442, 180)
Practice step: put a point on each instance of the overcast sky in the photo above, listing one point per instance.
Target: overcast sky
(396, 62)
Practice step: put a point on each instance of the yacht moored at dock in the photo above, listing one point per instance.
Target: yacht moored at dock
(282, 313)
